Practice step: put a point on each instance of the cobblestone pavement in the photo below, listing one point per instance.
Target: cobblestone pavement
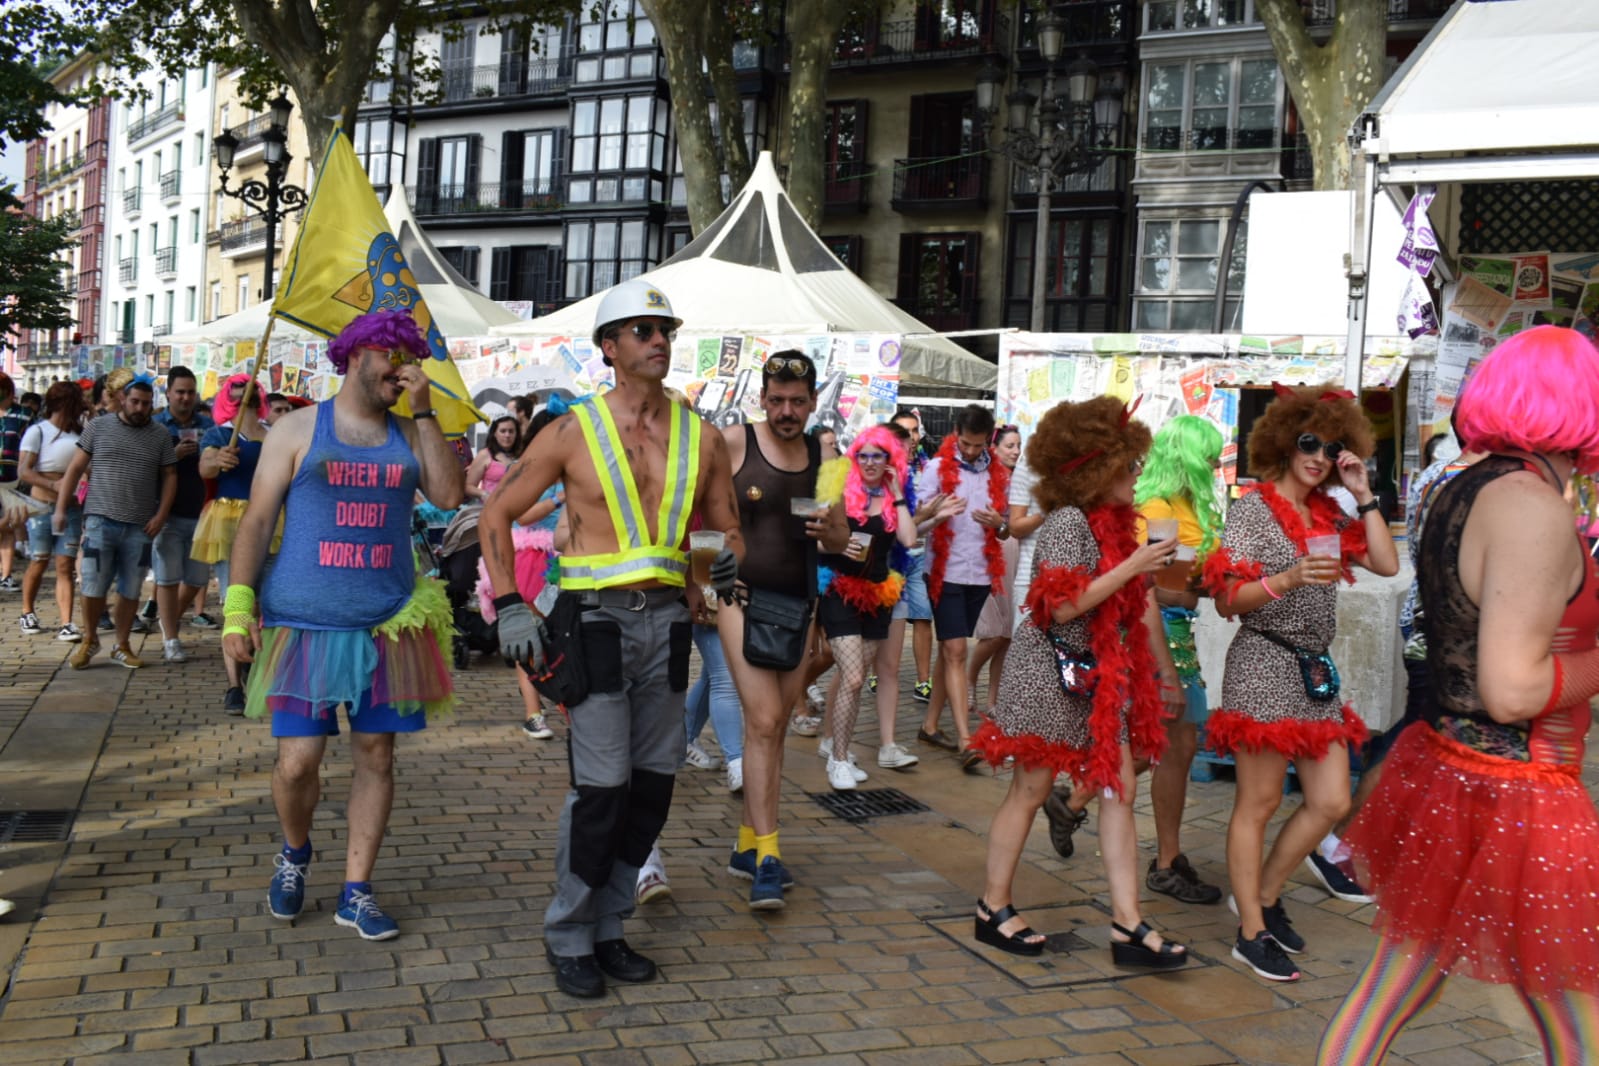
(144, 936)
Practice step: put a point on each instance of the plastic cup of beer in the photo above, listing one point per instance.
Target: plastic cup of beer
(703, 546)
(863, 544)
(1161, 529)
(1327, 545)
(805, 506)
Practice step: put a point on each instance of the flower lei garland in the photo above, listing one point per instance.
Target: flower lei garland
(1119, 641)
(949, 472)
(1224, 571)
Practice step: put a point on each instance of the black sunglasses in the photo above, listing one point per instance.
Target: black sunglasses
(796, 365)
(643, 331)
(1310, 444)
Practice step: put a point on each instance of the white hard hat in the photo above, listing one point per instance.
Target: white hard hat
(632, 299)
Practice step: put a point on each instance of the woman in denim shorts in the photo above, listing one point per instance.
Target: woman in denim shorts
(47, 448)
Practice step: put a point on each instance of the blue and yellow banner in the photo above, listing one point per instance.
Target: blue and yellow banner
(345, 262)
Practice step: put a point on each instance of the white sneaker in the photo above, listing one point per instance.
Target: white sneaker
(69, 634)
(894, 757)
(172, 651)
(841, 775)
(816, 696)
(652, 884)
(735, 775)
(805, 725)
(6, 907)
(699, 758)
(30, 623)
(824, 748)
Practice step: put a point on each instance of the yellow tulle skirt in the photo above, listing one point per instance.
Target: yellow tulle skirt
(219, 524)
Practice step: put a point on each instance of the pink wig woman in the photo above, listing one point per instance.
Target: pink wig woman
(225, 406)
(856, 501)
(1510, 406)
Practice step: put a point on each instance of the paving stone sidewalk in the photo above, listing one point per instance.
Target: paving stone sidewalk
(144, 936)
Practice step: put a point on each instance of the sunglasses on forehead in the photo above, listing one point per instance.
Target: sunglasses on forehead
(1310, 444)
(797, 365)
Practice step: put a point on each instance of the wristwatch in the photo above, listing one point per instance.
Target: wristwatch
(1369, 506)
(417, 416)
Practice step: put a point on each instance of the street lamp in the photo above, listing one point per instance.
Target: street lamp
(1066, 135)
(274, 200)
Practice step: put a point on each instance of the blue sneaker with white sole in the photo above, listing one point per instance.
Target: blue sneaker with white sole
(766, 891)
(286, 893)
(362, 913)
(742, 864)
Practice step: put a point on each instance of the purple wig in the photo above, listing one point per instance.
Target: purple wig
(377, 329)
(224, 407)
(856, 502)
(1537, 391)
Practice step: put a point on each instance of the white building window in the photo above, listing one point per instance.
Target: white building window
(191, 303)
(244, 292)
(216, 302)
(1177, 264)
(1208, 105)
(1169, 16)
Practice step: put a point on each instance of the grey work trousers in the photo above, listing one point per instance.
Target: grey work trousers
(625, 743)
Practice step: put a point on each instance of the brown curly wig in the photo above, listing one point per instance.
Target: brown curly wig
(1093, 428)
(1309, 410)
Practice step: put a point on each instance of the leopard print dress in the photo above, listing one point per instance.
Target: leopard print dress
(1263, 703)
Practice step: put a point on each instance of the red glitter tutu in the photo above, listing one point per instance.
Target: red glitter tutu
(1490, 862)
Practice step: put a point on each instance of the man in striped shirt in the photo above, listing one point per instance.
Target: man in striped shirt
(130, 496)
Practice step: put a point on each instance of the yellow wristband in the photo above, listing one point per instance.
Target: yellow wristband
(238, 610)
(232, 626)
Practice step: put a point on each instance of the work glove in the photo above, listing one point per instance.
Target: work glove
(724, 571)
(519, 636)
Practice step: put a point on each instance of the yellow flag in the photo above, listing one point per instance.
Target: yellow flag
(345, 262)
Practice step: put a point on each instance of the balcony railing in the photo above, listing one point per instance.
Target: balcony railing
(243, 234)
(941, 182)
(50, 175)
(541, 194)
(1211, 139)
(161, 329)
(153, 123)
(166, 261)
(170, 184)
(128, 271)
(942, 318)
(249, 133)
(1298, 164)
(125, 335)
(534, 76)
(844, 183)
(1324, 12)
(131, 199)
(920, 39)
(1104, 178)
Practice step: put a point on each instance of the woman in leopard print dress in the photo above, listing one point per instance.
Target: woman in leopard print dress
(1278, 703)
(1089, 595)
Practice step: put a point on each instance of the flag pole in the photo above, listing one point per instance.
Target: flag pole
(249, 386)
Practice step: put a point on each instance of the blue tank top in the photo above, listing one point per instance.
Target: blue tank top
(234, 484)
(346, 559)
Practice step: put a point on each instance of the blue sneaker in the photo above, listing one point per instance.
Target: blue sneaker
(362, 913)
(742, 864)
(286, 893)
(766, 892)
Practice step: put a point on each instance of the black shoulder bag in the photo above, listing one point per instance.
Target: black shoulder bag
(776, 624)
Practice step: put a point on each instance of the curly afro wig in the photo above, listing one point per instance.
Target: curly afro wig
(1319, 410)
(377, 329)
(1080, 449)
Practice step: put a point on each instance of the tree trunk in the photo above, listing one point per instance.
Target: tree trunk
(729, 104)
(678, 25)
(1330, 83)
(813, 28)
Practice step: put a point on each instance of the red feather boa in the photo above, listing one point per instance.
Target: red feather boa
(1223, 572)
(1119, 640)
(1229, 731)
(868, 597)
(949, 472)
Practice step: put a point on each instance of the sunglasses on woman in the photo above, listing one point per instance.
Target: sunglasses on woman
(1310, 444)
(871, 458)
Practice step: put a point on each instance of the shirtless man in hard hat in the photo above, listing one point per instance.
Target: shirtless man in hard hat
(636, 467)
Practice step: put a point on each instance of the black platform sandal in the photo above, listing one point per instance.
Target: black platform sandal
(1135, 952)
(1016, 943)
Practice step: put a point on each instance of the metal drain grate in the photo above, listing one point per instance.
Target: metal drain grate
(35, 827)
(861, 805)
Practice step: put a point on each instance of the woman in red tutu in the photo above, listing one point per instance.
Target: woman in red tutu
(1480, 842)
(1279, 698)
(1079, 693)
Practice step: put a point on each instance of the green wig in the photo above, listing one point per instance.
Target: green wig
(1181, 463)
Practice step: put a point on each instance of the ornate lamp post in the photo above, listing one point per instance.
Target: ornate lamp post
(274, 200)
(1067, 134)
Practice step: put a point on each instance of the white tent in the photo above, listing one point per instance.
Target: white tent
(458, 308)
(1502, 91)
(760, 267)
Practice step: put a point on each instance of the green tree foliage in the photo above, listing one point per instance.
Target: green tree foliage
(32, 293)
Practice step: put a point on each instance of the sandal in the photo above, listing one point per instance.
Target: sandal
(937, 738)
(1016, 943)
(1135, 952)
(1063, 822)
(970, 759)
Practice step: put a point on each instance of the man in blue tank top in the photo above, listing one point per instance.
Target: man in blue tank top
(339, 622)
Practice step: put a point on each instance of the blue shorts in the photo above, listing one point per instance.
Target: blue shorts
(958, 607)
(173, 563)
(42, 543)
(295, 720)
(113, 549)
(913, 602)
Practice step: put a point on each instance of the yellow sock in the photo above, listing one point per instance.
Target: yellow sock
(746, 838)
(766, 845)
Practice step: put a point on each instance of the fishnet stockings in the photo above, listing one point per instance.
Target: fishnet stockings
(850, 655)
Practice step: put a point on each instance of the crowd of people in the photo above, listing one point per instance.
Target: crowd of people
(619, 531)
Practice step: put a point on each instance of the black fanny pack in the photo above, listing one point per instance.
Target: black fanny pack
(1316, 669)
(775, 627)
(1076, 670)
(565, 680)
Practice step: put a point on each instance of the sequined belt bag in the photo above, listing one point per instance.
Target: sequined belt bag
(1078, 670)
(1316, 669)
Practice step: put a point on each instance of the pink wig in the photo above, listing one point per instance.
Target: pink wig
(377, 329)
(856, 502)
(224, 407)
(1536, 392)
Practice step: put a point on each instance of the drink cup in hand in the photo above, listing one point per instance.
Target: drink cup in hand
(1327, 547)
(860, 548)
(703, 546)
(1159, 529)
